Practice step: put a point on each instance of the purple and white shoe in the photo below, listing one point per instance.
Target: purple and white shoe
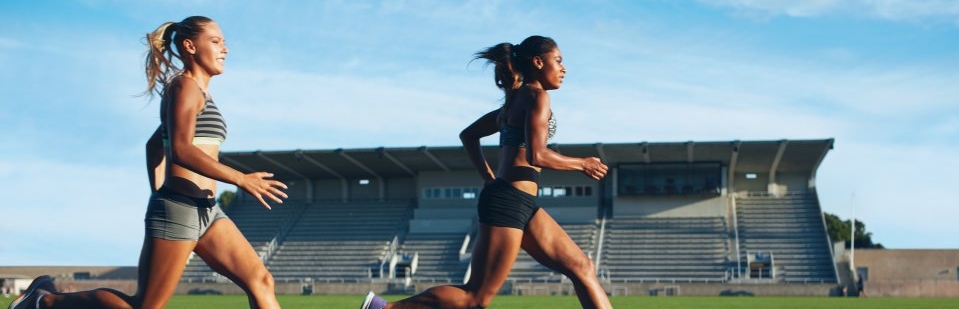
(30, 299)
(373, 302)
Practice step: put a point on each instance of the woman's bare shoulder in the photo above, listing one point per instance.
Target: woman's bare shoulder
(184, 88)
(538, 98)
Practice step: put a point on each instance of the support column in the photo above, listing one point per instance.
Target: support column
(773, 187)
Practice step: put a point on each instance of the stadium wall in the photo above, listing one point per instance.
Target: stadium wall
(914, 273)
(792, 182)
(509, 288)
(648, 288)
(744, 184)
(370, 190)
(296, 189)
(100, 272)
(670, 206)
(912, 288)
(451, 179)
(327, 189)
(709, 289)
(461, 225)
(401, 188)
(574, 180)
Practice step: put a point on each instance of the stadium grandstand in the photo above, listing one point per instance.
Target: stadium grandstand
(696, 217)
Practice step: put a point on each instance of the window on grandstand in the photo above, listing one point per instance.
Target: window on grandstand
(466, 193)
(570, 191)
(637, 179)
(469, 193)
(559, 191)
(364, 182)
(751, 176)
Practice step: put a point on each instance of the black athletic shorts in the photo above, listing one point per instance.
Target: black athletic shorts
(501, 204)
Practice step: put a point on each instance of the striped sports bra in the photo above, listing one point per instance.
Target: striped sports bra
(516, 136)
(210, 125)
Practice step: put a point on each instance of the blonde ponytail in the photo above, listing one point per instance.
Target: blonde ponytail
(159, 65)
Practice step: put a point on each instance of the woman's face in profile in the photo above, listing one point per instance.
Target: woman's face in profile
(553, 71)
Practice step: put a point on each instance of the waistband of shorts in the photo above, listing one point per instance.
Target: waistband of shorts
(516, 173)
(505, 185)
(175, 196)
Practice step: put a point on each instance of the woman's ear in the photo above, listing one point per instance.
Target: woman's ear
(189, 47)
(538, 62)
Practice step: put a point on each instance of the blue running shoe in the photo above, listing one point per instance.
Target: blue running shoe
(372, 302)
(30, 299)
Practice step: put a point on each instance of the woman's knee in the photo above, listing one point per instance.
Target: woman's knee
(111, 298)
(581, 267)
(265, 279)
(480, 301)
(260, 279)
(475, 295)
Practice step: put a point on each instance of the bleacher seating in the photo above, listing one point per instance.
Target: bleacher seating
(436, 234)
(528, 269)
(347, 241)
(339, 241)
(665, 249)
(438, 255)
(791, 228)
(257, 224)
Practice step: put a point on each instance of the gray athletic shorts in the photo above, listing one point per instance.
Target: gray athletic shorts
(174, 216)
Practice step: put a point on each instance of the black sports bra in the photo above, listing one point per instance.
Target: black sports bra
(516, 136)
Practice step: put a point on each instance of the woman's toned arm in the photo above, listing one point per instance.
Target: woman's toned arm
(187, 103)
(156, 160)
(470, 137)
(537, 154)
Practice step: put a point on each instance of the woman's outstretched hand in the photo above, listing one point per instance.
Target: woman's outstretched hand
(259, 186)
(594, 168)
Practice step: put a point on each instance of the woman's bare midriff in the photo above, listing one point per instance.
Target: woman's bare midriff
(514, 168)
(190, 183)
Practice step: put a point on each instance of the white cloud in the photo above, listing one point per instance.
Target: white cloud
(467, 11)
(741, 76)
(903, 194)
(9, 43)
(289, 110)
(780, 7)
(947, 127)
(913, 10)
(895, 10)
(93, 212)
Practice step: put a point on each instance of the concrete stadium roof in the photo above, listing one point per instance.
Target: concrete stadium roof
(742, 156)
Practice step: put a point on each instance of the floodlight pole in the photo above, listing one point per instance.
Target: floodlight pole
(852, 238)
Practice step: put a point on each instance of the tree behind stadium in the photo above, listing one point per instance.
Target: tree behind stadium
(839, 231)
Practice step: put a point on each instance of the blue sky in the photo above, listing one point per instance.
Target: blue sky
(879, 76)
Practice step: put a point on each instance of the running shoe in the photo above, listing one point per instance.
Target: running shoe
(373, 302)
(30, 299)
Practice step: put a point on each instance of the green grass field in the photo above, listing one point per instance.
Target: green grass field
(560, 302)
